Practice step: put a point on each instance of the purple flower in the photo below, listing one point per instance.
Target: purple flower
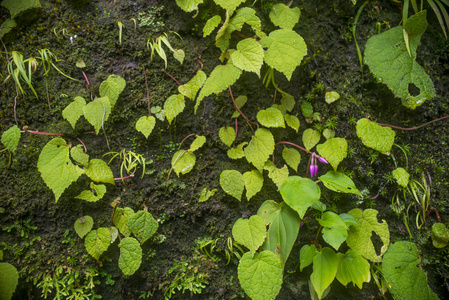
(322, 160)
(314, 165)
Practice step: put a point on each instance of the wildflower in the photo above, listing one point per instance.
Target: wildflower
(314, 166)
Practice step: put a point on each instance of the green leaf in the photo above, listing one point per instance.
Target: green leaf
(401, 176)
(10, 138)
(227, 135)
(334, 151)
(271, 117)
(56, 168)
(114, 233)
(260, 276)
(189, 5)
(89, 196)
(288, 102)
(191, 88)
(232, 182)
(353, 268)
(220, 79)
(310, 138)
(121, 219)
(359, 237)
(17, 6)
(306, 255)
(236, 153)
(283, 16)
(389, 61)
(300, 193)
(97, 112)
(292, 157)
(197, 143)
(325, 266)
(112, 87)
(179, 55)
(249, 56)
(97, 242)
(374, 136)
(9, 279)
(143, 225)
(292, 121)
(250, 233)
(145, 125)
(339, 182)
(307, 110)
(260, 148)
(173, 106)
(78, 155)
(130, 256)
(330, 97)
(240, 101)
(335, 229)
(74, 110)
(158, 112)
(440, 235)
(286, 50)
(183, 162)
(206, 194)
(284, 227)
(7, 26)
(328, 133)
(253, 183)
(229, 5)
(211, 24)
(99, 171)
(83, 225)
(400, 268)
(277, 175)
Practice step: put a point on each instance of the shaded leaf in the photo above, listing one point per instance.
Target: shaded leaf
(324, 270)
(352, 267)
(97, 242)
(227, 135)
(112, 87)
(306, 255)
(206, 194)
(11, 137)
(191, 88)
(83, 225)
(78, 155)
(130, 256)
(143, 225)
(277, 175)
(121, 220)
(240, 101)
(292, 157)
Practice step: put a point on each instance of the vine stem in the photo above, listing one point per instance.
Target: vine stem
(148, 91)
(185, 139)
(414, 127)
(171, 77)
(125, 177)
(238, 109)
(88, 84)
(25, 129)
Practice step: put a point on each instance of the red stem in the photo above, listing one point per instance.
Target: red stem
(88, 84)
(436, 212)
(171, 77)
(185, 139)
(85, 148)
(238, 109)
(199, 61)
(121, 178)
(45, 133)
(415, 127)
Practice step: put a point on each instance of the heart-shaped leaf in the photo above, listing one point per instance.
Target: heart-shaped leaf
(375, 136)
(250, 232)
(83, 225)
(142, 225)
(130, 256)
(145, 125)
(183, 162)
(253, 183)
(249, 56)
(334, 151)
(232, 182)
(299, 193)
(271, 117)
(97, 242)
(310, 138)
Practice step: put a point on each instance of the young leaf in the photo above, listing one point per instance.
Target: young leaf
(83, 225)
(240, 101)
(299, 193)
(74, 110)
(401, 176)
(271, 117)
(173, 106)
(250, 233)
(145, 125)
(292, 121)
(389, 61)
(400, 268)
(97, 242)
(206, 194)
(284, 227)
(56, 168)
(260, 275)
(97, 112)
(306, 256)
(121, 220)
(130, 256)
(310, 138)
(227, 135)
(197, 143)
(286, 50)
(334, 151)
(324, 270)
(283, 16)
(183, 162)
(9, 279)
(277, 175)
(78, 155)
(89, 196)
(292, 157)
(249, 56)
(288, 102)
(352, 267)
(211, 24)
(189, 5)
(10, 138)
(220, 79)
(236, 153)
(111, 88)
(339, 182)
(330, 97)
(260, 148)
(440, 235)
(191, 88)
(375, 136)
(232, 182)
(142, 225)
(253, 183)
(179, 55)
(328, 133)
(359, 237)
(99, 171)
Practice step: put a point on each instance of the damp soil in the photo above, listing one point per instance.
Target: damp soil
(331, 61)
